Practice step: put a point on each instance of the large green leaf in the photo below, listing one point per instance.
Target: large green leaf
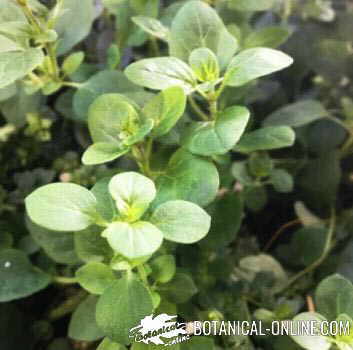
(267, 37)
(165, 109)
(254, 63)
(17, 64)
(181, 221)
(107, 344)
(266, 139)
(10, 12)
(132, 193)
(297, 114)
(152, 26)
(185, 179)
(62, 207)
(161, 73)
(127, 297)
(133, 240)
(18, 278)
(220, 136)
(198, 25)
(8, 45)
(103, 152)
(163, 268)
(83, 325)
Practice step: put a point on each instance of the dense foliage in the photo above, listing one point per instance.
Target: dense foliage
(183, 157)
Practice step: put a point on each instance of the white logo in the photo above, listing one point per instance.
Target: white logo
(152, 330)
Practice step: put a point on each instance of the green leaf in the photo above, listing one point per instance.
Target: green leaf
(107, 344)
(133, 240)
(102, 152)
(163, 268)
(75, 23)
(204, 63)
(334, 296)
(185, 179)
(95, 277)
(266, 139)
(198, 25)
(9, 12)
(83, 324)
(198, 343)
(62, 207)
(220, 136)
(113, 57)
(297, 114)
(152, 26)
(7, 45)
(310, 342)
(73, 62)
(18, 278)
(132, 193)
(180, 289)
(254, 63)
(251, 5)
(91, 246)
(282, 181)
(271, 37)
(181, 221)
(17, 64)
(255, 198)
(161, 73)
(165, 109)
(59, 246)
(104, 82)
(127, 297)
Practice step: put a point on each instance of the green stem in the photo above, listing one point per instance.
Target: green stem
(213, 108)
(197, 109)
(154, 46)
(320, 260)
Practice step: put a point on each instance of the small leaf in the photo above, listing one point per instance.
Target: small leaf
(217, 137)
(113, 57)
(83, 324)
(266, 139)
(161, 73)
(127, 297)
(133, 240)
(271, 37)
(95, 277)
(73, 62)
(102, 152)
(132, 193)
(251, 5)
(204, 63)
(281, 180)
(107, 344)
(163, 268)
(152, 26)
(18, 278)
(17, 64)
(297, 114)
(181, 221)
(254, 63)
(62, 207)
(165, 109)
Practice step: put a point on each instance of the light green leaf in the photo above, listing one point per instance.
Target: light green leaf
(217, 137)
(310, 342)
(132, 193)
(297, 114)
(204, 63)
(334, 296)
(163, 268)
(15, 65)
(281, 180)
(9, 11)
(266, 139)
(75, 23)
(127, 297)
(7, 45)
(7, 92)
(185, 179)
(107, 344)
(95, 277)
(18, 278)
(181, 221)
(165, 109)
(102, 152)
(267, 37)
(198, 343)
(83, 324)
(152, 26)
(104, 82)
(113, 57)
(254, 63)
(62, 207)
(73, 62)
(251, 5)
(161, 73)
(133, 240)
(198, 25)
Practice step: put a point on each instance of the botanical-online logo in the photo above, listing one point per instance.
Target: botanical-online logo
(159, 328)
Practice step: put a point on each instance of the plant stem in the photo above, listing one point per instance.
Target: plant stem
(320, 260)
(154, 46)
(197, 109)
(213, 108)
